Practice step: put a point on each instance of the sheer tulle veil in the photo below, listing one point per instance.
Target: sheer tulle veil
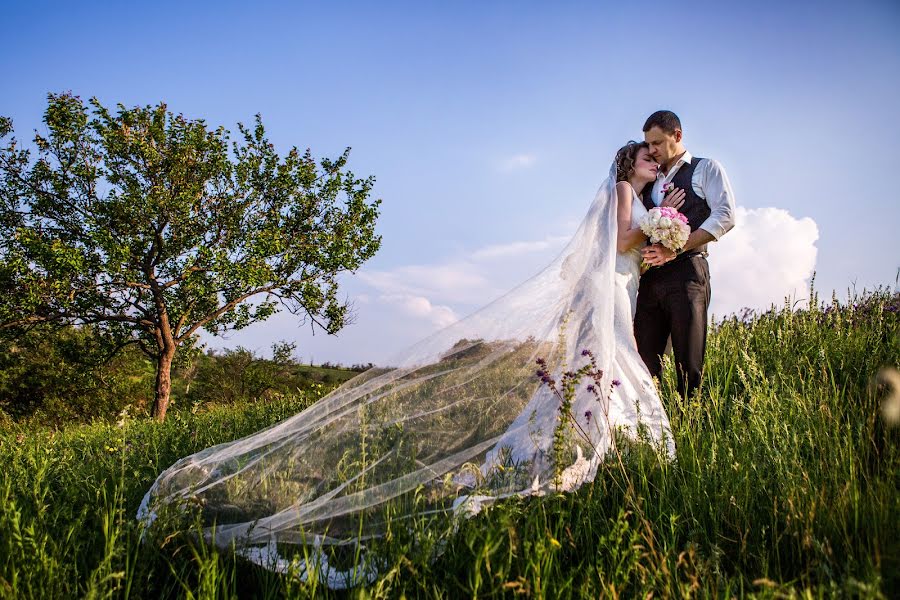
(459, 418)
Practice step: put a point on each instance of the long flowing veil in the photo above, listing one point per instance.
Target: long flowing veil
(458, 418)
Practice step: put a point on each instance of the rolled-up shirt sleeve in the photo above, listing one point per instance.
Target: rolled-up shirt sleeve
(719, 197)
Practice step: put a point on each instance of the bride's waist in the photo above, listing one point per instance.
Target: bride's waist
(628, 262)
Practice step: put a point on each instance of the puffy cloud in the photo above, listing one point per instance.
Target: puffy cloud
(768, 256)
(420, 307)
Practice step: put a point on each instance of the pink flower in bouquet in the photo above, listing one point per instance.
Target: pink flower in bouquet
(668, 211)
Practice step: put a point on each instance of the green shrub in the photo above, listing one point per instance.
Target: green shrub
(68, 374)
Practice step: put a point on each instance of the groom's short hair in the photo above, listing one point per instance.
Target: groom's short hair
(664, 119)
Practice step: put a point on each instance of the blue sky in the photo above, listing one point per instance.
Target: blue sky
(490, 125)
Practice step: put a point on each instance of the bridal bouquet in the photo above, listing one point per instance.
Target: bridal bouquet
(666, 226)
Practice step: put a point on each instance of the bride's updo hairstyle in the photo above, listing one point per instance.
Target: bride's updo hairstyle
(625, 158)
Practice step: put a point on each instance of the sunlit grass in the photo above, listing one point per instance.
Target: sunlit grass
(786, 480)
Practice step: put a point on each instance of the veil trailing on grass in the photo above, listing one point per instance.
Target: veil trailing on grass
(505, 401)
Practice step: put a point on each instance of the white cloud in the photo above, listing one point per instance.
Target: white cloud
(420, 307)
(473, 278)
(430, 292)
(455, 281)
(767, 256)
(519, 248)
(518, 161)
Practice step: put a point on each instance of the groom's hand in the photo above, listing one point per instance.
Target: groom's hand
(674, 198)
(657, 255)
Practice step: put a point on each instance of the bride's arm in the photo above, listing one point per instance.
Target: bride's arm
(626, 237)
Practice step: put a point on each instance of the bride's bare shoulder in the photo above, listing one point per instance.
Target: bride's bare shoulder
(623, 190)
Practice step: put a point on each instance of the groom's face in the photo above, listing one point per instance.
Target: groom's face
(663, 145)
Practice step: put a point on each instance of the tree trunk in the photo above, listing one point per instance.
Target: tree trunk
(163, 382)
(165, 344)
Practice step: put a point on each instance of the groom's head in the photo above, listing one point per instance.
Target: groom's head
(662, 131)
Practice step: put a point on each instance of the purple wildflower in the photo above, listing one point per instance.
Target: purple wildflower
(587, 415)
(585, 352)
(616, 383)
(591, 388)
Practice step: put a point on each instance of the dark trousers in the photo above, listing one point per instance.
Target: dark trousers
(673, 300)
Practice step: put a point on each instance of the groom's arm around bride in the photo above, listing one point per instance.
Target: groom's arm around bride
(674, 296)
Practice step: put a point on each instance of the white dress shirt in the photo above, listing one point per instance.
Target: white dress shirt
(710, 183)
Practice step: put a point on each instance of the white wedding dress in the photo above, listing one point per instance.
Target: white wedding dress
(637, 400)
(633, 402)
(456, 421)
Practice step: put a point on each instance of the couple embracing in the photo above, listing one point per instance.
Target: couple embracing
(671, 299)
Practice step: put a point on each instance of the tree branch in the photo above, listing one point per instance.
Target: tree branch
(83, 319)
(182, 277)
(218, 313)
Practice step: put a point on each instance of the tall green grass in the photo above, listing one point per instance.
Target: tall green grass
(786, 482)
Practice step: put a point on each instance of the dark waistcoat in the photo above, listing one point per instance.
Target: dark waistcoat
(694, 208)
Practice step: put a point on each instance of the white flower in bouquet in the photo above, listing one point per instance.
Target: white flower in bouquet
(666, 226)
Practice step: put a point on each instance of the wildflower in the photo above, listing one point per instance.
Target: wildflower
(616, 383)
(585, 352)
(555, 543)
(587, 415)
(591, 389)
(541, 362)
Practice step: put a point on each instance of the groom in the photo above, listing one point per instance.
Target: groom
(673, 297)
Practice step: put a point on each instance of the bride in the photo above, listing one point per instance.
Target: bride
(475, 412)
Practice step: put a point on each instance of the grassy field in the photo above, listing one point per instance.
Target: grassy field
(786, 483)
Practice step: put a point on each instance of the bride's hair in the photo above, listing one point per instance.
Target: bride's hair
(625, 158)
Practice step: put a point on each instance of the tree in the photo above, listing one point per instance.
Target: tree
(149, 226)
